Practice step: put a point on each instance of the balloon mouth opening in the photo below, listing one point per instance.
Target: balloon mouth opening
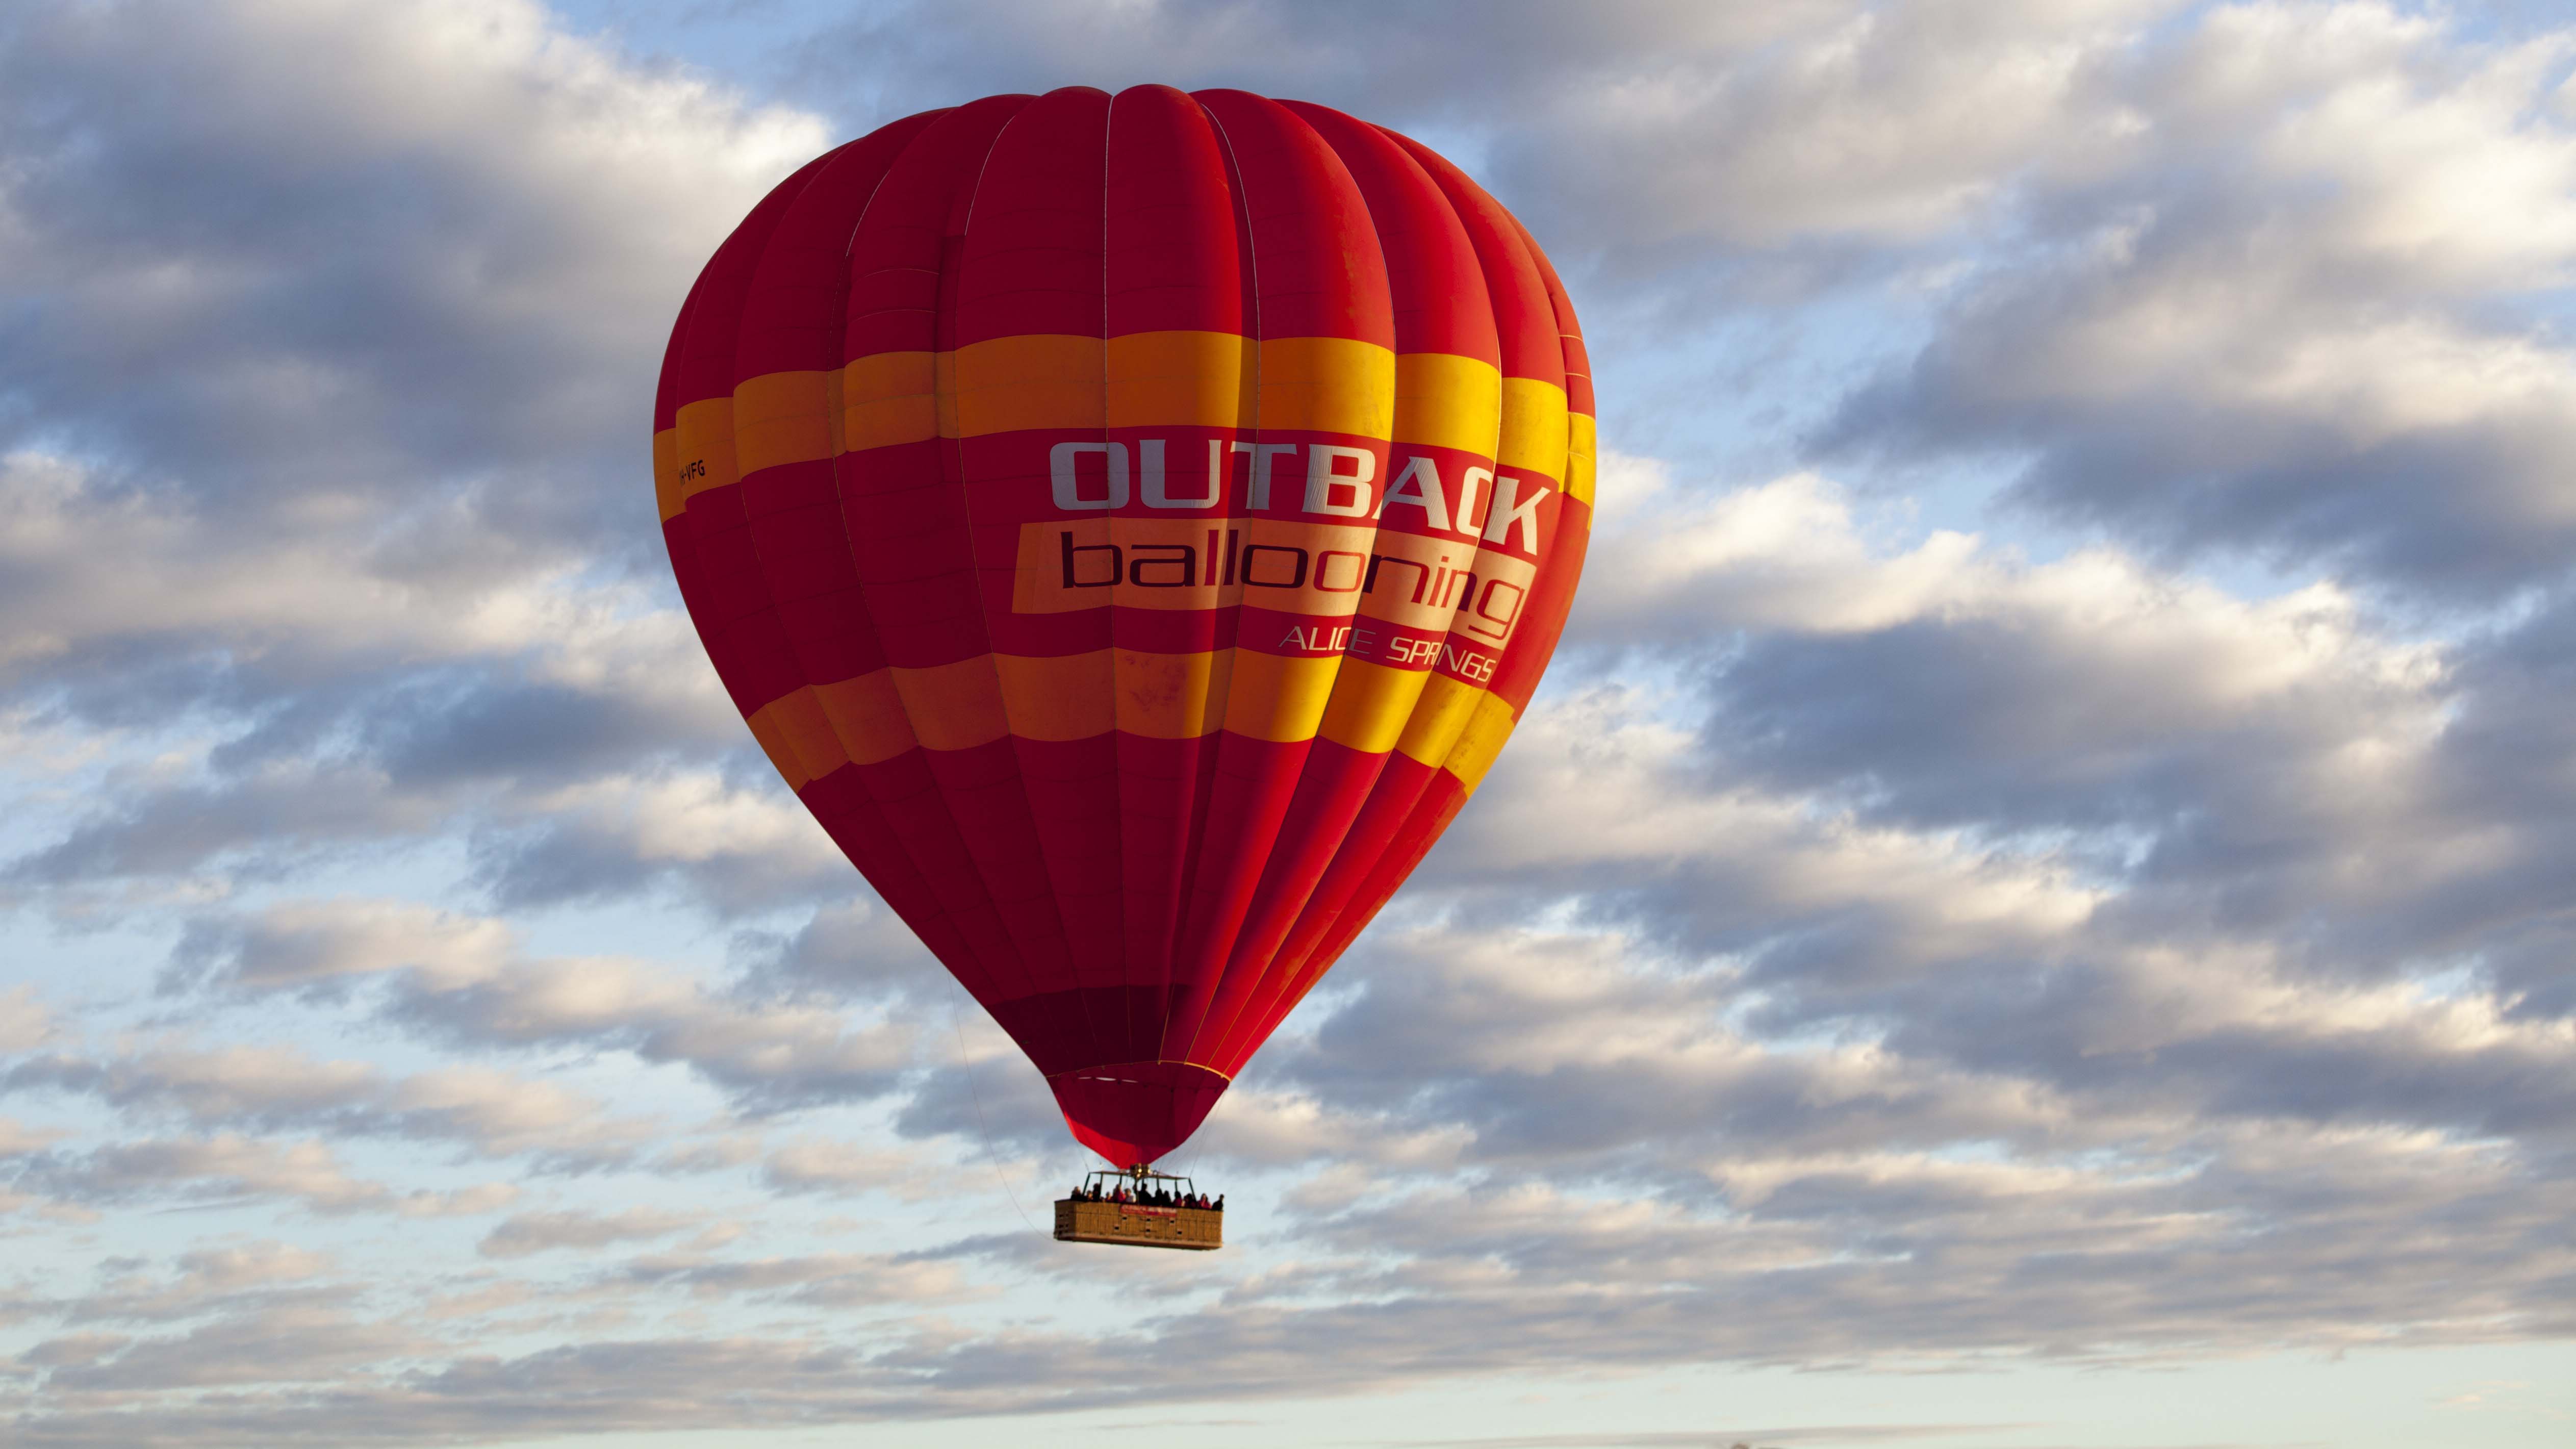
(1134, 1112)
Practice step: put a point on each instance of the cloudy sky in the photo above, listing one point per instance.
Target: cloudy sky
(2034, 911)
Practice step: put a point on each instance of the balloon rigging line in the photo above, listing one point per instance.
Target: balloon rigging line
(957, 1023)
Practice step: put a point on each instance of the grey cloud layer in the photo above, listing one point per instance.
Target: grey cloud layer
(1879, 945)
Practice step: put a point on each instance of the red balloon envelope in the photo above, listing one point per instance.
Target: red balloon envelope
(1132, 524)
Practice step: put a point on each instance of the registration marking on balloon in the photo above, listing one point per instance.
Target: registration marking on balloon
(1132, 525)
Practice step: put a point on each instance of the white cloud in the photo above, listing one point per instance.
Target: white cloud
(521, 1234)
(1879, 945)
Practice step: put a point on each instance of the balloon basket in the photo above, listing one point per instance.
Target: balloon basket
(1151, 1215)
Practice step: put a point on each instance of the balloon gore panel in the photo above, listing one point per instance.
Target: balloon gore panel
(1132, 525)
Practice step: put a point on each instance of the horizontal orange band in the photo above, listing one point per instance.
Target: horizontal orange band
(1053, 381)
(1327, 385)
(1063, 697)
(784, 417)
(1279, 697)
(1437, 720)
(1534, 428)
(1159, 379)
(1481, 740)
(893, 397)
(1143, 380)
(1016, 384)
(876, 716)
(704, 452)
(867, 713)
(1172, 696)
(955, 706)
(1371, 704)
(773, 743)
(1580, 463)
(666, 473)
(1443, 400)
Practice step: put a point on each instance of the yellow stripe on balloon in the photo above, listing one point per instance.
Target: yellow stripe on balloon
(782, 417)
(867, 714)
(1170, 379)
(1172, 696)
(773, 743)
(1279, 697)
(1048, 381)
(1534, 427)
(809, 732)
(1363, 705)
(705, 452)
(1580, 464)
(1327, 385)
(889, 398)
(954, 706)
(666, 474)
(1022, 384)
(1447, 401)
(1372, 703)
(1064, 697)
(1436, 722)
(1481, 740)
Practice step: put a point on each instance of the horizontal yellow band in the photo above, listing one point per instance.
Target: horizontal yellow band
(1051, 381)
(1433, 728)
(1481, 740)
(666, 474)
(867, 713)
(1534, 429)
(1286, 698)
(1143, 380)
(889, 398)
(955, 706)
(1042, 381)
(1443, 400)
(704, 455)
(1164, 379)
(1279, 697)
(1172, 696)
(783, 417)
(1065, 697)
(1580, 462)
(809, 732)
(1371, 704)
(773, 743)
(1327, 385)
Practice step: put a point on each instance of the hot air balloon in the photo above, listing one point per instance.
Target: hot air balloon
(1132, 524)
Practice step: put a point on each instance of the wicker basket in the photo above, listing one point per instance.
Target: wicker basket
(1136, 1226)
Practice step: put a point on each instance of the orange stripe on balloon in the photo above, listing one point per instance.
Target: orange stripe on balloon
(1580, 465)
(704, 447)
(784, 417)
(666, 473)
(1059, 697)
(1372, 704)
(867, 714)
